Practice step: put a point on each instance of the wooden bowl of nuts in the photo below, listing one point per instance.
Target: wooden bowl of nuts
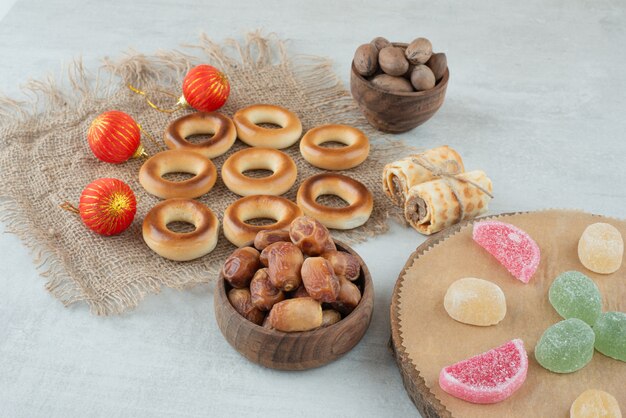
(398, 86)
(294, 300)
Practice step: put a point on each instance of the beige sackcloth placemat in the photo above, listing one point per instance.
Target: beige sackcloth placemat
(432, 339)
(45, 160)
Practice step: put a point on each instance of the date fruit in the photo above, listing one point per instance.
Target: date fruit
(268, 236)
(366, 59)
(438, 64)
(419, 51)
(242, 302)
(311, 237)
(300, 293)
(348, 298)
(320, 280)
(345, 265)
(392, 61)
(284, 263)
(291, 315)
(239, 268)
(393, 84)
(263, 293)
(329, 317)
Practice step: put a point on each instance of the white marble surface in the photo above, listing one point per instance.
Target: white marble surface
(536, 99)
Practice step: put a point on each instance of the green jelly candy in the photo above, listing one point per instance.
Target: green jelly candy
(610, 329)
(566, 346)
(575, 295)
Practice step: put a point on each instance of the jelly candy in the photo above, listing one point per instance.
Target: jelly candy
(610, 329)
(575, 295)
(511, 246)
(595, 403)
(475, 302)
(601, 248)
(566, 346)
(489, 377)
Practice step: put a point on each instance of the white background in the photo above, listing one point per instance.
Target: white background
(536, 99)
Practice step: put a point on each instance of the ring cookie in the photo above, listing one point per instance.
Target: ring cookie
(177, 161)
(356, 150)
(175, 245)
(359, 198)
(284, 172)
(239, 232)
(247, 120)
(222, 128)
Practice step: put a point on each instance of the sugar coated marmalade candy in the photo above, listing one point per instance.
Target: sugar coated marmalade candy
(601, 248)
(511, 246)
(575, 295)
(595, 403)
(566, 346)
(475, 302)
(610, 330)
(489, 377)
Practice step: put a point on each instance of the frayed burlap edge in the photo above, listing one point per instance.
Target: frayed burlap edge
(49, 98)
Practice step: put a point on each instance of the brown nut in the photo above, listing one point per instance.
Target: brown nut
(239, 268)
(392, 61)
(366, 59)
(419, 51)
(344, 264)
(422, 78)
(300, 293)
(438, 64)
(269, 236)
(349, 297)
(392, 84)
(319, 279)
(379, 42)
(311, 236)
(302, 314)
(284, 264)
(241, 301)
(329, 317)
(263, 293)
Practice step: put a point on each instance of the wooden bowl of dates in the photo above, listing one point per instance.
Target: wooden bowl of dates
(396, 111)
(295, 350)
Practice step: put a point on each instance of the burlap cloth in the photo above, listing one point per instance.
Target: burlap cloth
(45, 160)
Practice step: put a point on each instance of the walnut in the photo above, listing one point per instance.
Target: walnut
(422, 78)
(392, 61)
(366, 59)
(438, 63)
(419, 51)
(392, 84)
(239, 268)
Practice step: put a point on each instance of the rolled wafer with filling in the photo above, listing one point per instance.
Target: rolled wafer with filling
(438, 204)
(399, 176)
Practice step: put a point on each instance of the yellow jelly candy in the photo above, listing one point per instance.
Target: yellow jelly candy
(595, 403)
(475, 302)
(601, 248)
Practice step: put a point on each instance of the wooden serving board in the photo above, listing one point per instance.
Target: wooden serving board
(425, 338)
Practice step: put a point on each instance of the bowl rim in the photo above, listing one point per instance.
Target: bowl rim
(439, 86)
(367, 288)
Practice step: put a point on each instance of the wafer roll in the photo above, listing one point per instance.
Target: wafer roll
(399, 176)
(433, 205)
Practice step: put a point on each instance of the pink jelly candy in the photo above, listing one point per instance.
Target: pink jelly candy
(489, 377)
(511, 246)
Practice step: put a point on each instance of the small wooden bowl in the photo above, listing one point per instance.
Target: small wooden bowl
(295, 350)
(396, 112)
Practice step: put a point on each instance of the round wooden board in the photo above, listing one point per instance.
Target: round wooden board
(426, 402)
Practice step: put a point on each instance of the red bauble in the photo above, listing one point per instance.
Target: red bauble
(114, 137)
(107, 206)
(205, 88)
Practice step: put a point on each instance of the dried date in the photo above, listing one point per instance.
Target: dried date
(263, 293)
(344, 264)
(284, 263)
(311, 237)
(291, 315)
(320, 280)
(239, 268)
(242, 302)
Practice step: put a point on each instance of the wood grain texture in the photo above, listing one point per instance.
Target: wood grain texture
(296, 350)
(396, 112)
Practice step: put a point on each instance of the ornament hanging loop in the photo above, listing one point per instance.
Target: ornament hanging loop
(152, 139)
(69, 207)
(180, 104)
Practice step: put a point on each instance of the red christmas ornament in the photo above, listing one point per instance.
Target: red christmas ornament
(114, 137)
(107, 206)
(205, 88)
